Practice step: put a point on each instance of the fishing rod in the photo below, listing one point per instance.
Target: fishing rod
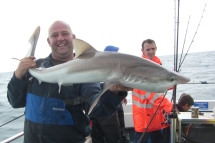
(192, 39)
(184, 41)
(176, 35)
(143, 134)
(173, 115)
(12, 120)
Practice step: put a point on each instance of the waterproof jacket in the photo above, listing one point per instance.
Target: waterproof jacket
(47, 118)
(145, 105)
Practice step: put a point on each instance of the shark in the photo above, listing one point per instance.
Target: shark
(90, 65)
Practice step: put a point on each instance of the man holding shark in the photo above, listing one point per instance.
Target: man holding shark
(54, 113)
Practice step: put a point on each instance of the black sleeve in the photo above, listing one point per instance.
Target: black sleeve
(16, 92)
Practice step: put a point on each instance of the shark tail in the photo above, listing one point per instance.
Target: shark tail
(33, 41)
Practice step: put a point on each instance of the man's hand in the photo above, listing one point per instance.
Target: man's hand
(116, 88)
(24, 65)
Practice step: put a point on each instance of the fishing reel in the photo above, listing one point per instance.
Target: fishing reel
(167, 119)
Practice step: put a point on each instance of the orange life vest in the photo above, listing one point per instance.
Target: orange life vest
(155, 59)
(144, 106)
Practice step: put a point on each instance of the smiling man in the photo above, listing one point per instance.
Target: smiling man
(48, 118)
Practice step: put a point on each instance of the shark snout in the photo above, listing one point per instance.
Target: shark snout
(176, 78)
(182, 79)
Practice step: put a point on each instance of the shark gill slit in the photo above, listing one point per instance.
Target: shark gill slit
(134, 78)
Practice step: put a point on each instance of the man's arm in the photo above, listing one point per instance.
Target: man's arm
(108, 102)
(16, 92)
(17, 86)
(107, 105)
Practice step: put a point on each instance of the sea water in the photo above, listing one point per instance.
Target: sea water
(197, 66)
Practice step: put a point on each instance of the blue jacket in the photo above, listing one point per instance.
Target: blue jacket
(47, 118)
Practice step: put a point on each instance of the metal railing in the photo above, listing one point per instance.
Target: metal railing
(13, 138)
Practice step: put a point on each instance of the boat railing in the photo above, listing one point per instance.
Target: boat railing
(13, 138)
(208, 104)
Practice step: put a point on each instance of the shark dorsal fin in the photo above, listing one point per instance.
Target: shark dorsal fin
(33, 41)
(81, 47)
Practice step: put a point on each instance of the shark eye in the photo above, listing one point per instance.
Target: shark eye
(172, 79)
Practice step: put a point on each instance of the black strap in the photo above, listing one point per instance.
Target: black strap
(79, 99)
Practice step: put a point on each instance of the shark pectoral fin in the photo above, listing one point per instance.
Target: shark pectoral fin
(109, 83)
(95, 102)
(106, 86)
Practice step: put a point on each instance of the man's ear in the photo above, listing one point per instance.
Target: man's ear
(73, 36)
(48, 41)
